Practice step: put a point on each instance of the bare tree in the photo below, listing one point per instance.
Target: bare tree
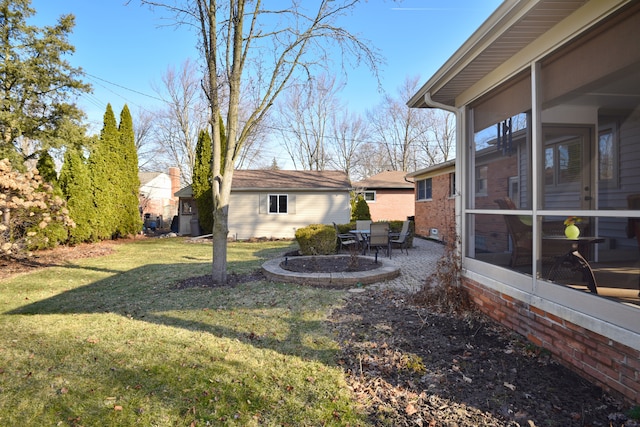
(397, 129)
(370, 160)
(186, 113)
(439, 144)
(350, 132)
(143, 128)
(248, 48)
(305, 116)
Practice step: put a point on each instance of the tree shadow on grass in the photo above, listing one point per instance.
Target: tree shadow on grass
(149, 293)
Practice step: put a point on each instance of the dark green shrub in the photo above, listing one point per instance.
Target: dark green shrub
(317, 239)
(361, 209)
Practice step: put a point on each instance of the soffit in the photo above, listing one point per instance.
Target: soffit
(511, 28)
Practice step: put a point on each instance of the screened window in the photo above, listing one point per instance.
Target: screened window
(278, 203)
(424, 189)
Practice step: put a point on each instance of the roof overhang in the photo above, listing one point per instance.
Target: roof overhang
(505, 35)
(449, 164)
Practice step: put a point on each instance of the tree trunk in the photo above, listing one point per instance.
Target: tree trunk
(220, 233)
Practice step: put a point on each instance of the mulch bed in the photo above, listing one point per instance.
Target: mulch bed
(409, 366)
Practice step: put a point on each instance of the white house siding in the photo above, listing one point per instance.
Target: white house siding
(157, 197)
(249, 217)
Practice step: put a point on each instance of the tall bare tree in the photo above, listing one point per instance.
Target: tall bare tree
(185, 114)
(397, 129)
(143, 128)
(305, 115)
(350, 132)
(439, 144)
(247, 47)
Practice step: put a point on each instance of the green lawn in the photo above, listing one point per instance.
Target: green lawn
(112, 341)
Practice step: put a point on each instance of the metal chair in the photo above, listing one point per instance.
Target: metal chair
(379, 237)
(402, 239)
(362, 224)
(346, 240)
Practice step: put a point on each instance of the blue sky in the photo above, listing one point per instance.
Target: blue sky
(125, 49)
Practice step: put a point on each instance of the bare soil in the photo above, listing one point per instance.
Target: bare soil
(408, 365)
(329, 264)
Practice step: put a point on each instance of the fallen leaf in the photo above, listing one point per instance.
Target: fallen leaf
(117, 408)
(410, 409)
(509, 386)
(466, 379)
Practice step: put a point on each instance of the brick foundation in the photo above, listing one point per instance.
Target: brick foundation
(609, 364)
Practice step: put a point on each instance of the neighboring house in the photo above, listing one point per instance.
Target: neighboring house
(547, 100)
(156, 197)
(388, 194)
(274, 203)
(435, 201)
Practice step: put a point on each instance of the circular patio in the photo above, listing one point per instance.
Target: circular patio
(344, 279)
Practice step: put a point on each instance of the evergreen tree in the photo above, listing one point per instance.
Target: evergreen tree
(129, 217)
(361, 209)
(201, 182)
(37, 83)
(75, 183)
(47, 168)
(104, 164)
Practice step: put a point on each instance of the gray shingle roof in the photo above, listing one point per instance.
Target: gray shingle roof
(281, 179)
(262, 179)
(387, 179)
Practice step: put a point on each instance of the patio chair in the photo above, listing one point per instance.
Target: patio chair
(402, 239)
(379, 237)
(362, 224)
(346, 240)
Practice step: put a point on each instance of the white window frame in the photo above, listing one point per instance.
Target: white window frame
(278, 211)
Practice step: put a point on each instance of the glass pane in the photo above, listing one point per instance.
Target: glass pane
(273, 204)
(501, 165)
(549, 166)
(606, 156)
(569, 162)
(283, 204)
(503, 240)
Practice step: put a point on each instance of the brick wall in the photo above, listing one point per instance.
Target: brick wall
(392, 205)
(439, 212)
(609, 364)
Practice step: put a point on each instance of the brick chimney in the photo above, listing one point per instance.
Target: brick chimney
(174, 174)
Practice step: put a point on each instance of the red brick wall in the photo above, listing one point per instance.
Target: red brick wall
(609, 364)
(439, 212)
(392, 205)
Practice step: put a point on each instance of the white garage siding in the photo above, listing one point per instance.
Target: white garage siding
(249, 212)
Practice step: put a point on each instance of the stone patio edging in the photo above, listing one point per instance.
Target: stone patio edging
(272, 270)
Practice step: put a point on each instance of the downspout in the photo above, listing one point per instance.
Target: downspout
(458, 200)
(434, 104)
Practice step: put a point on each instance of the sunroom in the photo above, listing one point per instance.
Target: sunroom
(547, 99)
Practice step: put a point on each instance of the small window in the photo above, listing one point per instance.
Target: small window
(278, 203)
(608, 156)
(369, 196)
(424, 189)
(187, 207)
(452, 184)
(481, 180)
